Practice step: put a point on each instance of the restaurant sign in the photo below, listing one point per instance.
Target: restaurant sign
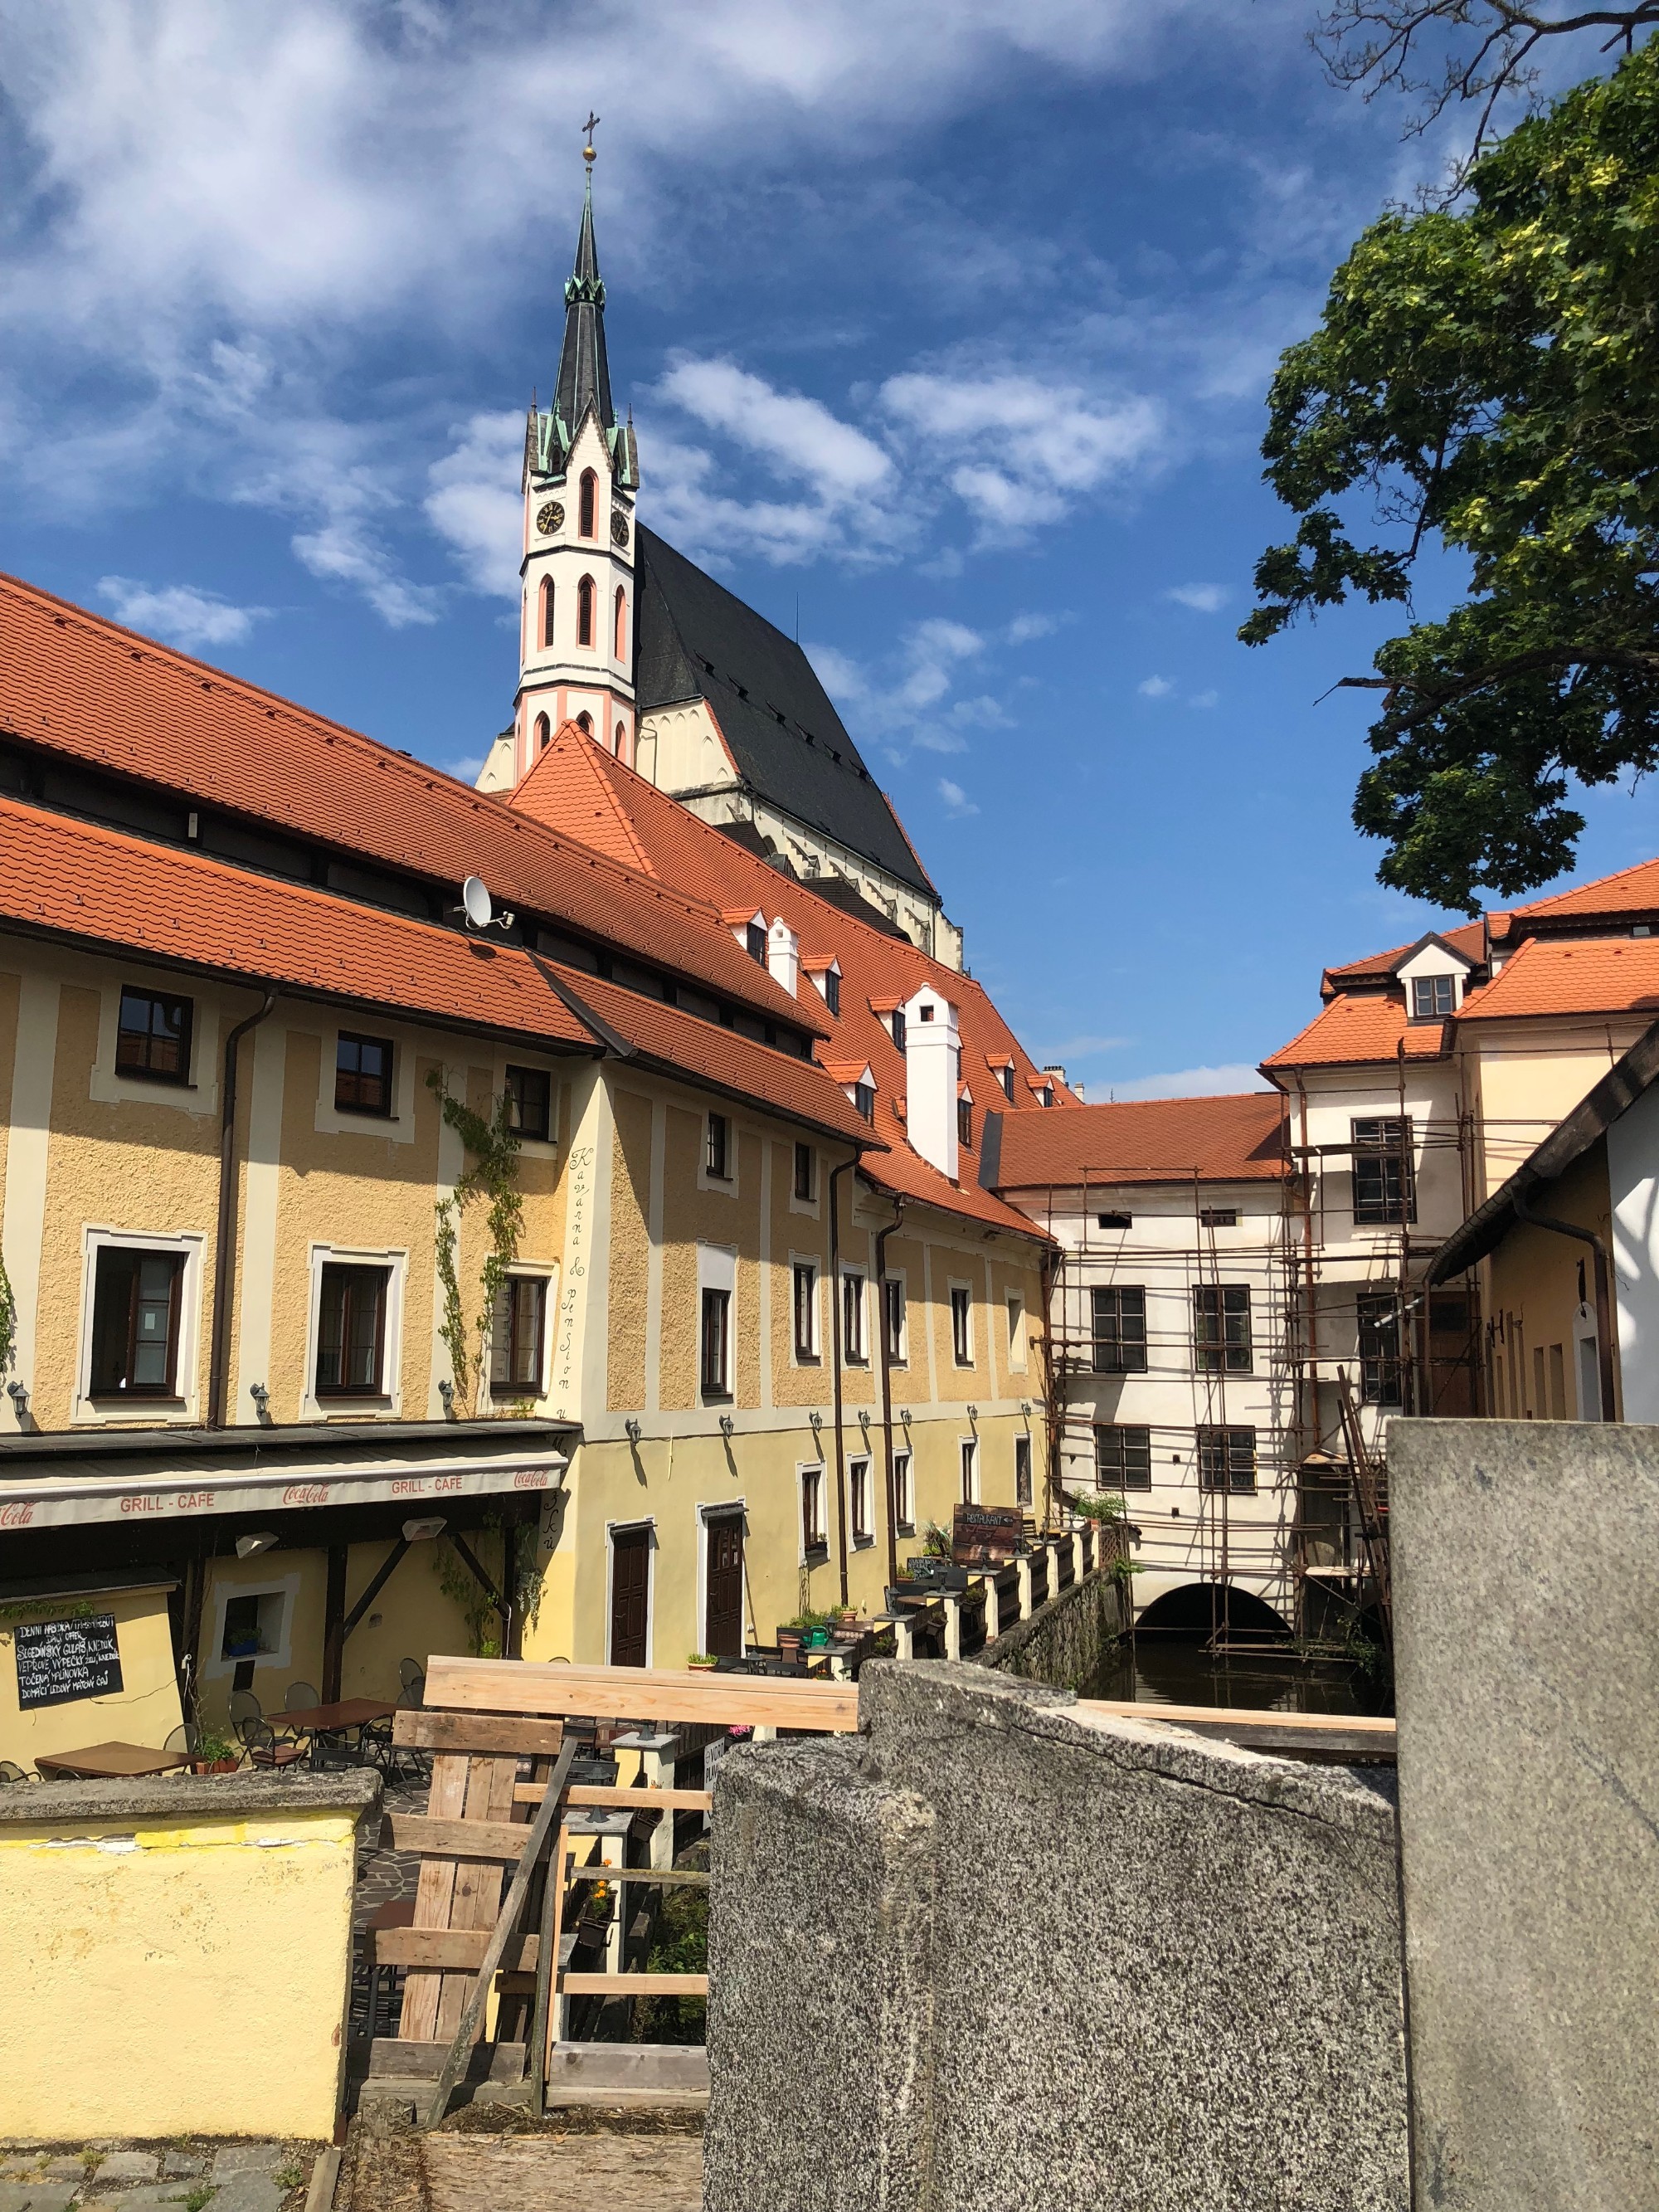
(985, 1536)
(78, 1499)
(59, 1660)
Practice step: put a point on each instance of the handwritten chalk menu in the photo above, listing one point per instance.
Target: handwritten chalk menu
(985, 1535)
(59, 1660)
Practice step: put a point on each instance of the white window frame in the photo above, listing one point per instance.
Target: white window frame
(533, 1148)
(953, 1284)
(1016, 1332)
(904, 1490)
(862, 1461)
(815, 1359)
(804, 1468)
(862, 1276)
(548, 1271)
(968, 1482)
(399, 1125)
(91, 1412)
(108, 1087)
(1023, 1437)
(813, 1206)
(389, 1403)
(286, 1587)
(727, 1185)
(902, 1357)
(717, 1270)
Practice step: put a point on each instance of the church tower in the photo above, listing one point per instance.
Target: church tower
(576, 611)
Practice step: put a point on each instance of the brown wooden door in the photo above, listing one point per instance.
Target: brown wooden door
(724, 1634)
(630, 1595)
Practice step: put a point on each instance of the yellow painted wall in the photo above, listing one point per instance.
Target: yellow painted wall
(144, 1710)
(1533, 1289)
(630, 1250)
(170, 1979)
(1525, 1080)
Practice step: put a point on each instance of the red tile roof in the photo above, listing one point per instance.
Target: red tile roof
(77, 684)
(697, 859)
(1581, 976)
(158, 903)
(1469, 938)
(1356, 1027)
(1233, 1138)
(1631, 890)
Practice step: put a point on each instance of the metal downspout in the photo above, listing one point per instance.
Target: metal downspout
(224, 1258)
(887, 1382)
(1603, 1291)
(836, 1175)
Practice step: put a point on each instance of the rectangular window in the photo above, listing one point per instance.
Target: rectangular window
(1217, 1217)
(813, 1535)
(904, 1494)
(863, 1502)
(832, 991)
(1433, 997)
(970, 1470)
(852, 1320)
(962, 1335)
(1022, 1470)
(1006, 1077)
(900, 1033)
(152, 1039)
(135, 1322)
(720, 1147)
(863, 1098)
(516, 1337)
(1384, 1183)
(1115, 1220)
(1119, 1329)
(1123, 1457)
(965, 1121)
(754, 937)
(1379, 1350)
(807, 1187)
(530, 1103)
(806, 1311)
(1016, 1330)
(362, 1074)
(892, 1317)
(351, 1331)
(1221, 1327)
(716, 1344)
(254, 1625)
(1226, 1459)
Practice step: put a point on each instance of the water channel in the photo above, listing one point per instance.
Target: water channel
(1165, 1668)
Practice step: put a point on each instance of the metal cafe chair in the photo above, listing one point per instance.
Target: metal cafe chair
(411, 1677)
(184, 1741)
(11, 1773)
(263, 1749)
(298, 1695)
(243, 1706)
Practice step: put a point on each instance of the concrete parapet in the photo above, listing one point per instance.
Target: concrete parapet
(1528, 1665)
(993, 1951)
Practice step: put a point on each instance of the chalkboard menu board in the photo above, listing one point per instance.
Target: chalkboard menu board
(59, 1660)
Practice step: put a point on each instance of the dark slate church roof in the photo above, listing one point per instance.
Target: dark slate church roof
(698, 640)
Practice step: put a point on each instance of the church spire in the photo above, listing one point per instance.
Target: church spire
(584, 372)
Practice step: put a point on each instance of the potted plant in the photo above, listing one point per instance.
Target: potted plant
(702, 1663)
(215, 1754)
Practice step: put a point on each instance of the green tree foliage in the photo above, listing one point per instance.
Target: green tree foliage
(1490, 377)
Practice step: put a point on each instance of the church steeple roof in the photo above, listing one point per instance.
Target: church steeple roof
(584, 372)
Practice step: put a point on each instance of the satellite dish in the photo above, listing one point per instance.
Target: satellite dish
(475, 901)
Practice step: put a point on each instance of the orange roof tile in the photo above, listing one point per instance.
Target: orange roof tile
(1575, 976)
(1237, 1137)
(1356, 1027)
(683, 850)
(1631, 890)
(1469, 938)
(79, 685)
(160, 904)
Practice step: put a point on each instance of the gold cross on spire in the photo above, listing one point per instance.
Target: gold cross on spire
(590, 127)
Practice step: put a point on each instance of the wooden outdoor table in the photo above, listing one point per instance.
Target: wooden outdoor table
(109, 1762)
(324, 1720)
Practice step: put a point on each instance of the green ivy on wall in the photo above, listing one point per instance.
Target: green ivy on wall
(490, 1178)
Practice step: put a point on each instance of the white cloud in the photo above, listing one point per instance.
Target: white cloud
(799, 437)
(1155, 687)
(1204, 698)
(956, 801)
(1192, 1083)
(1024, 628)
(842, 677)
(474, 502)
(179, 613)
(1202, 599)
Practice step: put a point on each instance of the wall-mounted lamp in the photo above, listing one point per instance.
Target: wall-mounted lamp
(19, 1395)
(905, 1415)
(728, 1426)
(261, 1398)
(1025, 1408)
(973, 1413)
(446, 1392)
(817, 1419)
(249, 1547)
(632, 1429)
(863, 1422)
(424, 1532)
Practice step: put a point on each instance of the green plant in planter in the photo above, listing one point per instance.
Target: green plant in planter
(211, 1749)
(937, 1541)
(809, 1617)
(1102, 1506)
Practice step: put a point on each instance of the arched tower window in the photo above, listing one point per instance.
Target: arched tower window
(544, 626)
(589, 497)
(585, 611)
(544, 730)
(584, 723)
(621, 740)
(621, 623)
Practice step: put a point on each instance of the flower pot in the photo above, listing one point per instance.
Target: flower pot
(789, 1641)
(215, 1765)
(701, 1666)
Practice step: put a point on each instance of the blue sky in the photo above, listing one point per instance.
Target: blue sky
(945, 324)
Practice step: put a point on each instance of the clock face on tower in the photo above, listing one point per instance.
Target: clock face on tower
(550, 517)
(619, 528)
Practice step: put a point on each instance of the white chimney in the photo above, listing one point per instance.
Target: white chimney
(933, 1063)
(783, 955)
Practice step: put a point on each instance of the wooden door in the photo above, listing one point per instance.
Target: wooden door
(630, 1595)
(723, 1635)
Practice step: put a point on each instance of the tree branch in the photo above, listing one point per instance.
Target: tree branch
(1437, 697)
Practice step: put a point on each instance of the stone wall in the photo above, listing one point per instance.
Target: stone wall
(1528, 1666)
(999, 1950)
(1065, 1640)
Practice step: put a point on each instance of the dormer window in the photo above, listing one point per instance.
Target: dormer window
(924, 1012)
(1043, 1093)
(863, 1098)
(1006, 1077)
(899, 1031)
(754, 937)
(1433, 997)
(965, 1121)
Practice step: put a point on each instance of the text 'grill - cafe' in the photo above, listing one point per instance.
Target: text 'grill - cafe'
(147, 1573)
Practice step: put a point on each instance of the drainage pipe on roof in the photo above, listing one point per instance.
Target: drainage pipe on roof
(1603, 1290)
(224, 1254)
